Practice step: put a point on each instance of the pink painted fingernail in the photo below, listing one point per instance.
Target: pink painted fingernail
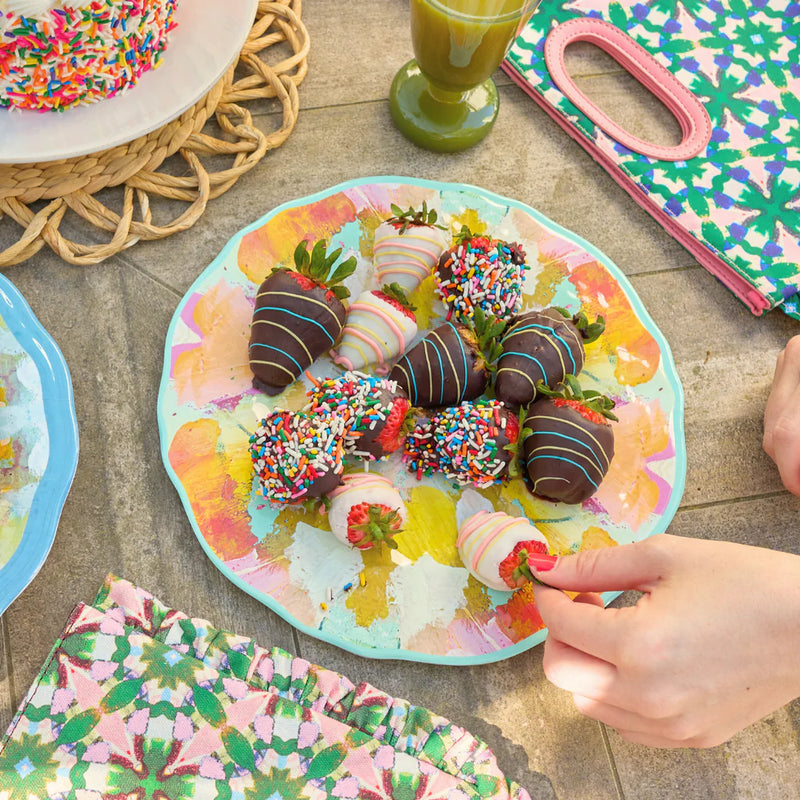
(540, 562)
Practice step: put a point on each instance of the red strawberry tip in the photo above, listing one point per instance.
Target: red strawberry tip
(394, 295)
(584, 411)
(370, 524)
(514, 568)
(396, 427)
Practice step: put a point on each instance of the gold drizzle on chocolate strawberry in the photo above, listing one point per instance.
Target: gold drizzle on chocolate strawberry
(291, 328)
(298, 315)
(442, 369)
(538, 345)
(566, 455)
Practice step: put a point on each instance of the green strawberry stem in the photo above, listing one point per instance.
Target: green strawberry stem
(396, 292)
(516, 448)
(522, 570)
(589, 331)
(320, 266)
(379, 526)
(464, 235)
(571, 390)
(488, 330)
(419, 217)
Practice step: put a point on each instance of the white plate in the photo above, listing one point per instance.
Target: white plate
(207, 40)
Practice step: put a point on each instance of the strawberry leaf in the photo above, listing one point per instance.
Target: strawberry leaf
(396, 292)
(464, 235)
(414, 217)
(342, 292)
(301, 256)
(344, 270)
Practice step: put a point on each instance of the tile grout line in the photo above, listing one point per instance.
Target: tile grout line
(296, 640)
(731, 500)
(10, 695)
(132, 265)
(611, 762)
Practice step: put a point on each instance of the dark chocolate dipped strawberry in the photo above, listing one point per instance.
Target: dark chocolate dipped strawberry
(541, 346)
(479, 272)
(451, 364)
(298, 315)
(570, 445)
(376, 412)
(297, 456)
(473, 443)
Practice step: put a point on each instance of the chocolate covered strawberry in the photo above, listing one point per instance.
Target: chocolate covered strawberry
(543, 346)
(379, 326)
(407, 246)
(298, 315)
(451, 364)
(496, 548)
(366, 511)
(376, 413)
(570, 443)
(297, 456)
(480, 272)
(473, 443)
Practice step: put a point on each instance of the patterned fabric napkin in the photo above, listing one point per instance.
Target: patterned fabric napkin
(138, 700)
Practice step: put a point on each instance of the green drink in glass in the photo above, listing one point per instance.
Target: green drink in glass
(445, 99)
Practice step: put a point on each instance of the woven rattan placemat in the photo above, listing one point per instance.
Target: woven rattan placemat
(36, 197)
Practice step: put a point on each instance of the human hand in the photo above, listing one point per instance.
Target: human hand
(712, 645)
(782, 416)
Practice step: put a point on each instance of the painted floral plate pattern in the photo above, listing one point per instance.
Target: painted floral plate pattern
(418, 602)
(38, 442)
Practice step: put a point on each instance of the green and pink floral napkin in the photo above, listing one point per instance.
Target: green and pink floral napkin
(138, 700)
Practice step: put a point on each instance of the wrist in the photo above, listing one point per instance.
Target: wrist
(786, 580)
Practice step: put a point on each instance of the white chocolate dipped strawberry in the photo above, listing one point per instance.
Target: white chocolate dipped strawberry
(365, 511)
(380, 325)
(495, 547)
(407, 246)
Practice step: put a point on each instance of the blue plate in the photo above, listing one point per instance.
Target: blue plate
(38, 442)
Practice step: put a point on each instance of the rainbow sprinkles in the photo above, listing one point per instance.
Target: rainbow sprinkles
(56, 54)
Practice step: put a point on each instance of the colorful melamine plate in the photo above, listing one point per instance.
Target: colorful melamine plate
(420, 603)
(38, 442)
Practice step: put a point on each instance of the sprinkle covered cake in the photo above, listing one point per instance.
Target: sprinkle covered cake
(56, 54)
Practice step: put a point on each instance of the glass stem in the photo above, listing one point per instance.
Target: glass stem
(444, 95)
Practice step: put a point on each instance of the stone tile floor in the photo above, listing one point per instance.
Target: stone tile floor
(124, 516)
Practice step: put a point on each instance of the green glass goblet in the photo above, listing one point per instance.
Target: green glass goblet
(444, 99)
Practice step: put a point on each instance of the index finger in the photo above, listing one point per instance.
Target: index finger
(584, 626)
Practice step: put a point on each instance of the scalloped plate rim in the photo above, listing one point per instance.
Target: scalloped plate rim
(636, 304)
(62, 461)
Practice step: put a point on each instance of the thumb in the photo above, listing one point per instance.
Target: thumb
(628, 566)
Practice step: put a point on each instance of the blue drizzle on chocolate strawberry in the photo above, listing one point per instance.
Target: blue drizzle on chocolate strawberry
(541, 345)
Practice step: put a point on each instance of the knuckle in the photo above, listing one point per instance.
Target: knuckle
(705, 740)
(586, 564)
(786, 429)
(792, 350)
(550, 666)
(766, 441)
(660, 547)
(680, 729)
(655, 704)
(648, 650)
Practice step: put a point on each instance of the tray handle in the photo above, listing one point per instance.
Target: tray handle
(631, 56)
